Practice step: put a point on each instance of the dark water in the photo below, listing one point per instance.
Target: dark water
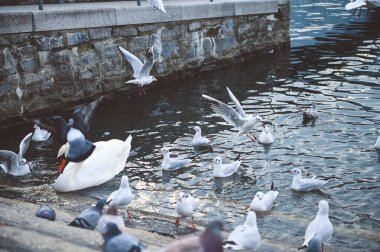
(334, 60)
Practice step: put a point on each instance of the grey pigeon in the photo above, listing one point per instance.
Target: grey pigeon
(46, 212)
(116, 241)
(89, 217)
(314, 245)
(209, 241)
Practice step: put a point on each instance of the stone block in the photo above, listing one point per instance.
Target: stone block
(4, 87)
(86, 74)
(30, 78)
(99, 33)
(228, 26)
(140, 43)
(77, 38)
(255, 7)
(19, 38)
(147, 28)
(225, 43)
(243, 29)
(173, 33)
(4, 41)
(124, 31)
(29, 65)
(194, 25)
(207, 10)
(47, 43)
(170, 50)
(16, 22)
(26, 52)
(7, 63)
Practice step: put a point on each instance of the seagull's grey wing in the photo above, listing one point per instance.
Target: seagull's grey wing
(157, 4)
(24, 146)
(239, 108)
(83, 114)
(226, 112)
(148, 63)
(133, 60)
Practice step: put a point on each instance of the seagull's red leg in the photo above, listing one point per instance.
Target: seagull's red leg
(192, 223)
(177, 221)
(252, 137)
(130, 216)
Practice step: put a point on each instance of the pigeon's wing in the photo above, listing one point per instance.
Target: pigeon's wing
(57, 125)
(148, 63)
(24, 146)
(226, 112)
(133, 60)
(158, 5)
(83, 114)
(89, 217)
(239, 108)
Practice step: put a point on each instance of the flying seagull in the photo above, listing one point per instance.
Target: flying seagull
(237, 118)
(140, 71)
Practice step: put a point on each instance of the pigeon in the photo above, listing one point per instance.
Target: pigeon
(320, 228)
(311, 114)
(264, 202)
(199, 140)
(172, 164)
(46, 212)
(13, 163)
(123, 196)
(117, 241)
(110, 216)
(140, 71)
(89, 217)
(237, 118)
(210, 241)
(224, 170)
(39, 134)
(186, 206)
(305, 184)
(73, 134)
(266, 136)
(245, 236)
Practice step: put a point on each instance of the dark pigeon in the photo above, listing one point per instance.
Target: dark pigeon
(116, 241)
(89, 218)
(46, 212)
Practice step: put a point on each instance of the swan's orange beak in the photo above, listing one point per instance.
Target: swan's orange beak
(61, 165)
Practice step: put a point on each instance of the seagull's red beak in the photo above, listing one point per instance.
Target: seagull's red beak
(61, 165)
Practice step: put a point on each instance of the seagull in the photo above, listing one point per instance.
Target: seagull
(311, 113)
(266, 136)
(377, 144)
(39, 134)
(305, 184)
(186, 206)
(89, 217)
(264, 202)
(46, 212)
(117, 241)
(210, 240)
(320, 227)
(73, 134)
(355, 4)
(199, 140)
(123, 196)
(172, 164)
(237, 118)
(245, 236)
(140, 71)
(13, 163)
(225, 170)
(158, 5)
(110, 216)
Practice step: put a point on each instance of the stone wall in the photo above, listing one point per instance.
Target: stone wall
(46, 70)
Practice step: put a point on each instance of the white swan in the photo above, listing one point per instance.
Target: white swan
(107, 160)
(266, 136)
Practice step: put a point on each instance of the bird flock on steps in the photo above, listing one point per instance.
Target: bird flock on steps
(94, 163)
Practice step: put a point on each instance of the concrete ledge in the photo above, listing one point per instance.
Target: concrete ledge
(74, 16)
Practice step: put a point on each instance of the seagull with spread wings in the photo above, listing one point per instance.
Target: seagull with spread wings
(141, 71)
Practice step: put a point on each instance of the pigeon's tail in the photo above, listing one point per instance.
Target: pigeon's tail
(232, 245)
(81, 223)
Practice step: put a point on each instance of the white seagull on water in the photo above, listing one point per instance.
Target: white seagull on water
(199, 140)
(264, 202)
(13, 163)
(141, 71)
(237, 118)
(172, 164)
(321, 227)
(245, 236)
(311, 113)
(266, 136)
(305, 184)
(225, 170)
(39, 134)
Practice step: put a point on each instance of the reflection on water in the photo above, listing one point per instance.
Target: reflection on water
(334, 60)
